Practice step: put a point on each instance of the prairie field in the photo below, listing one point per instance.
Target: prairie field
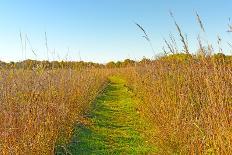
(94, 88)
(184, 103)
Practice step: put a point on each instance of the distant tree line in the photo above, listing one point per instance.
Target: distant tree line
(33, 64)
(181, 57)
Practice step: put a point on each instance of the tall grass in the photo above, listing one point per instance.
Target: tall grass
(39, 108)
(187, 98)
(189, 104)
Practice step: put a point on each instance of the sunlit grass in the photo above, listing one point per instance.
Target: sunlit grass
(116, 126)
(40, 107)
(188, 101)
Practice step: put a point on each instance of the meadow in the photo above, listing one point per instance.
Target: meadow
(184, 101)
(39, 106)
(188, 102)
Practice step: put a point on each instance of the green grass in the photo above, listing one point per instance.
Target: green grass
(116, 126)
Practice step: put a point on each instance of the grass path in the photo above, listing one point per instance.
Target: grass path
(115, 125)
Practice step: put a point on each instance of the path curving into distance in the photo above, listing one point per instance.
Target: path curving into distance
(116, 126)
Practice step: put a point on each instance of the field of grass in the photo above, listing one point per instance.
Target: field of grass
(40, 107)
(115, 127)
(190, 103)
(176, 104)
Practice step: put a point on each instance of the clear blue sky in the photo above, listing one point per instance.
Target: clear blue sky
(103, 30)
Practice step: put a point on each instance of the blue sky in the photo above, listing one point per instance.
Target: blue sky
(103, 30)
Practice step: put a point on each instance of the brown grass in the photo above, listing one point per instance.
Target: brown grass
(189, 104)
(187, 98)
(39, 108)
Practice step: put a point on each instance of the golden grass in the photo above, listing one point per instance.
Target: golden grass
(39, 108)
(189, 102)
(187, 98)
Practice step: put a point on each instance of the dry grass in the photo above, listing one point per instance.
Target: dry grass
(189, 101)
(190, 104)
(187, 98)
(39, 108)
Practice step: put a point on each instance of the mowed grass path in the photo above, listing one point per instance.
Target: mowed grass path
(116, 125)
